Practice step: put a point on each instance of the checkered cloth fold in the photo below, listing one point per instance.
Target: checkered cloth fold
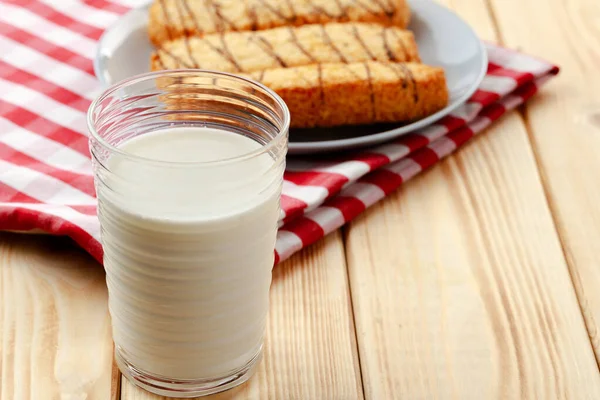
(47, 84)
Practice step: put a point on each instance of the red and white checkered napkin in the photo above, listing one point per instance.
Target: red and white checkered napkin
(47, 83)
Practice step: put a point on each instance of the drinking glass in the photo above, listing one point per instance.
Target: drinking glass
(188, 243)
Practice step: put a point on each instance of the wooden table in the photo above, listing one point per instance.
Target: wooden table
(479, 279)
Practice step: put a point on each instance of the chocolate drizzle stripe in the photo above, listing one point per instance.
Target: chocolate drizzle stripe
(390, 54)
(388, 12)
(412, 79)
(362, 43)
(275, 11)
(327, 40)
(401, 41)
(216, 20)
(267, 48)
(218, 13)
(343, 12)
(400, 76)
(167, 18)
(371, 91)
(188, 10)
(252, 17)
(223, 52)
(364, 7)
(186, 38)
(227, 53)
(299, 45)
(178, 60)
(293, 16)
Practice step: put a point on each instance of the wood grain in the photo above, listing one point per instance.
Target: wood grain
(310, 345)
(459, 283)
(564, 126)
(54, 321)
(460, 288)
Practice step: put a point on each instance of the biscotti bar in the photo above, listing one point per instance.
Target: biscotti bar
(358, 93)
(172, 19)
(288, 47)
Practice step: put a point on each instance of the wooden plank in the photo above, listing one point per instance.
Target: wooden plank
(54, 321)
(459, 283)
(310, 346)
(460, 288)
(564, 124)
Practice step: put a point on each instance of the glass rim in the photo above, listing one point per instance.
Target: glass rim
(186, 72)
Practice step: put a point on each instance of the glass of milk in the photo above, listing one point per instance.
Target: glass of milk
(188, 167)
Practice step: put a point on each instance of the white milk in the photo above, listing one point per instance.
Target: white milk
(189, 251)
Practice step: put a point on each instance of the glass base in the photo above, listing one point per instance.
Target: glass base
(185, 388)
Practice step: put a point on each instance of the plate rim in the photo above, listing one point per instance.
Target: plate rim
(98, 64)
(336, 144)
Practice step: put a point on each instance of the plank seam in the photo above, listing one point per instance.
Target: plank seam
(495, 25)
(571, 270)
(588, 318)
(344, 231)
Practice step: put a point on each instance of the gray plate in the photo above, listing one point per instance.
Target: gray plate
(443, 38)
